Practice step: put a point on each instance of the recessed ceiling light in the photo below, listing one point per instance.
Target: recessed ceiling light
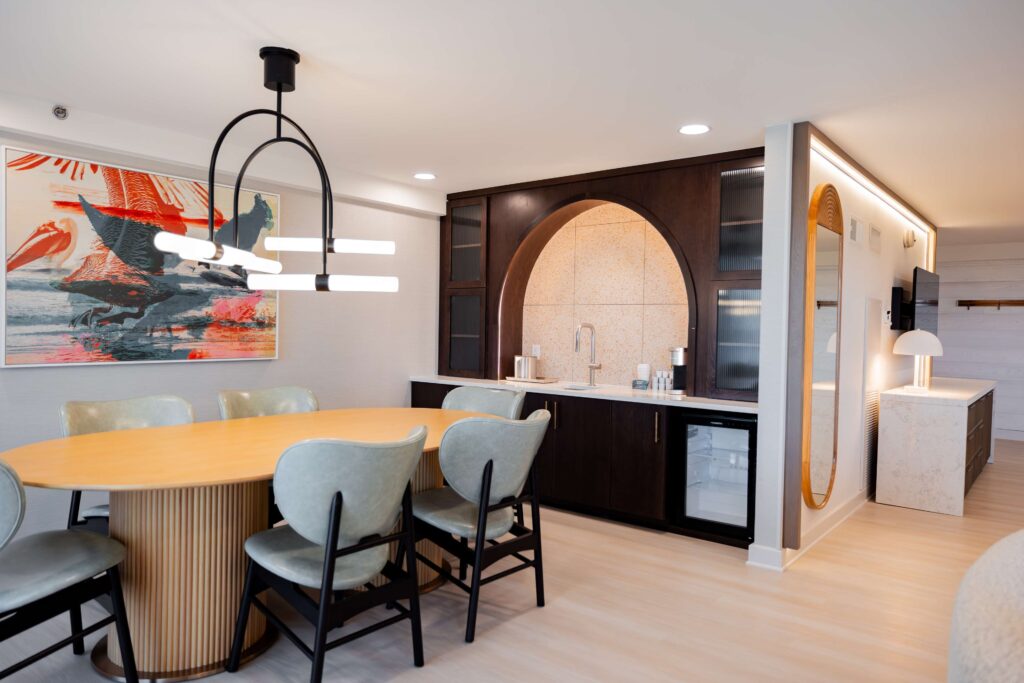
(424, 175)
(694, 129)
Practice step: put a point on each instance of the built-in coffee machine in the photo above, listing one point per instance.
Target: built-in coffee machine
(678, 370)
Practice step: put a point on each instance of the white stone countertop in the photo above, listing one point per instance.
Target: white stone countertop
(947, 390)
(607, 392)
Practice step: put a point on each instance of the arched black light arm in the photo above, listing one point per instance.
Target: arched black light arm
(325, 188)
(309, 146)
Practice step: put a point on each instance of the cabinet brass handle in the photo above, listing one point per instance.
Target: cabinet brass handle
(656, 421)
(556, 414)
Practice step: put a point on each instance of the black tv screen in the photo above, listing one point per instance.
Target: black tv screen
(926, 301)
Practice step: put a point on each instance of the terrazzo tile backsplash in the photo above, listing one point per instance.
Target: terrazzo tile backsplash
(609, 267)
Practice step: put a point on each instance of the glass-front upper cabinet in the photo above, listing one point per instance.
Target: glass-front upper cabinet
(741, 208)
(465, 243)
(465, 327)
(737, 343)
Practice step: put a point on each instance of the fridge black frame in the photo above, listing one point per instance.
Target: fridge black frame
(675, 481)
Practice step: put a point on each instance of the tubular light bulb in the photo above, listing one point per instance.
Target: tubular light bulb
(186, 247)
(306, 282)
(245, 259)
(192, 249)
(337, 245)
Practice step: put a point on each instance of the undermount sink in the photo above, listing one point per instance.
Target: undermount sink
(578, 387)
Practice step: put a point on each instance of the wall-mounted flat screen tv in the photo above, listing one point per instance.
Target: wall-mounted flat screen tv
(925, 309)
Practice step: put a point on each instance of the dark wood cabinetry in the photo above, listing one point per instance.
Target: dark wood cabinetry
(979, 439)
(462, 340)
(574, 465)
(638, 460)
(708, 209)
(625, 460)
(546, 461)
(428, 394)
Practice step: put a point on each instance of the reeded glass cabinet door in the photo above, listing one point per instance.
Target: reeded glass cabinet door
(467, 242)
(465, 333)
(741, 215)
(737, 340)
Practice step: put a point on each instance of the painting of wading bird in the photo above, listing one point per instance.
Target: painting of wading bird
(84, 283)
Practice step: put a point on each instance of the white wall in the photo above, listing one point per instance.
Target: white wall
(766, 550)
(984, 343)
(868, 275)
(351, 349)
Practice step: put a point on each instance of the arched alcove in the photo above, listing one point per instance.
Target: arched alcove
(619, 315)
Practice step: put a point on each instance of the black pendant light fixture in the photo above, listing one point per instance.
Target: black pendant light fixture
(279, 76)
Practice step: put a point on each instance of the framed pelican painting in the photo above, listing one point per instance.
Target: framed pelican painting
(84, 283)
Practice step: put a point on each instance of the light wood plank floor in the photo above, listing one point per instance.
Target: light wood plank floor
(871, 601)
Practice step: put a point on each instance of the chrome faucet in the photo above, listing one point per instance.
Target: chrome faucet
(593, 364)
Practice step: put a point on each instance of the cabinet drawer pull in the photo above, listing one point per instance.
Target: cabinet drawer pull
(556, 414)
(657, 415)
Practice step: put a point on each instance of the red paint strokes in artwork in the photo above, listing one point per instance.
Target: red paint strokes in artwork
(198, 354)
(175, 220)
(237, 309)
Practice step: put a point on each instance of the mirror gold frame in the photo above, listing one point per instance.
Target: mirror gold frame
(825, 211)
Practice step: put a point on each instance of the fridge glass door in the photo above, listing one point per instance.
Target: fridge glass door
(717, 473)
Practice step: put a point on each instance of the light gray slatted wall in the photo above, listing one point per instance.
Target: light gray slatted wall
(984, 343)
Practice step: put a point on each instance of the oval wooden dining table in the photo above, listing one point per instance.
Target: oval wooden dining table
(183, 499)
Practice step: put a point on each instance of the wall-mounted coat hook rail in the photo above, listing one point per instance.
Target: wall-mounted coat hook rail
(990, 303)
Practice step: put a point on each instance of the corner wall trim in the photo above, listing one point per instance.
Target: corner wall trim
(765, 557)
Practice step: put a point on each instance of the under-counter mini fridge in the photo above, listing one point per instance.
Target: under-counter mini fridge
(711, 475)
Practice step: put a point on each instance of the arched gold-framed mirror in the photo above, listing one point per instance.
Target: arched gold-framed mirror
(822, 315)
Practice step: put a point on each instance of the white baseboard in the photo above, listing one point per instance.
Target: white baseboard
(839, 516)
(766, 557)
(1009, 434)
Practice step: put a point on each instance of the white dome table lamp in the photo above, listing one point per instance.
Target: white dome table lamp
(920, 344)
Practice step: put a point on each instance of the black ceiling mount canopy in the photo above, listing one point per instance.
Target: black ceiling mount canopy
(279, 68)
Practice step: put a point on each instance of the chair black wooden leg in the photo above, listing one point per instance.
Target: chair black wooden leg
(124, 636)
(538, 560)
(462, 563)
(478, 551)
(243, 618)
(414, 608)
(320, 636)
(78, 644)
(326, 591)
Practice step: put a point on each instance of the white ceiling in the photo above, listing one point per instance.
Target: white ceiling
(928, 94)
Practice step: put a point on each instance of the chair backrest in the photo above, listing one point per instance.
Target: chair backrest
(274, 401)
(501, 402)
(511, 444)
(371, 477)
(12, 503)
(85, 417)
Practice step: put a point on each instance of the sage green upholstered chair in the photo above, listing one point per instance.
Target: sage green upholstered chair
(236, 404)
(274, 401)
(501, 402)
(341, 500)
(86, 417)
(486, 463)
(46, 574)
